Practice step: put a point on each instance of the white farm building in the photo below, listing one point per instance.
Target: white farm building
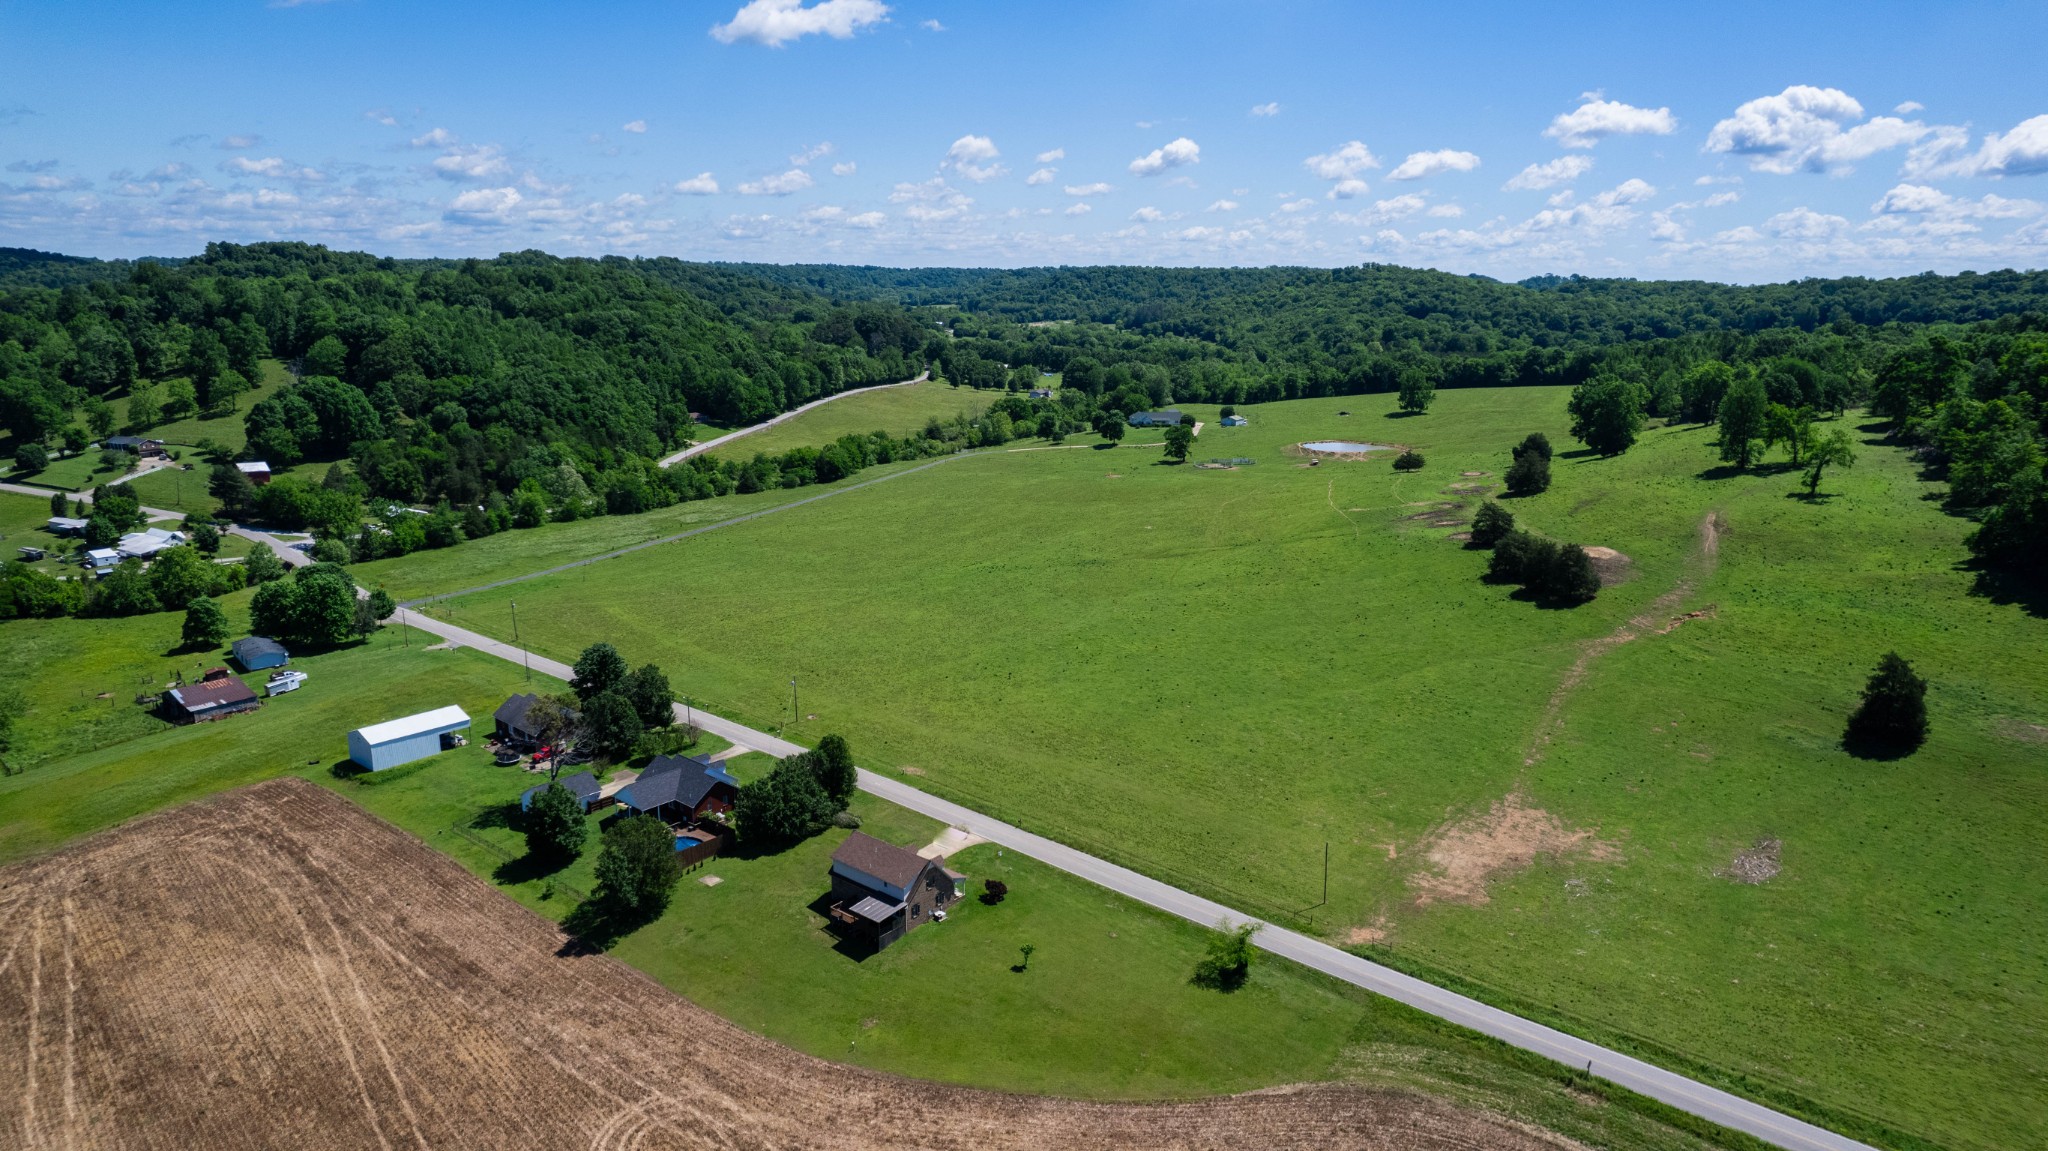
(395, 741)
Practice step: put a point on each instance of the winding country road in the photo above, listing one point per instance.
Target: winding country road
(1667, 1087)
(707, 445)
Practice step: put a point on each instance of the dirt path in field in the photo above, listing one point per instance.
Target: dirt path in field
(1655, 619)
(276, 968)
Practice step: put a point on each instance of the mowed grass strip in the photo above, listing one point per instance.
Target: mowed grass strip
(898, 411)
(1210, 674)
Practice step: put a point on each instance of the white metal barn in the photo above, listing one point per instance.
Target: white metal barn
(397, 741)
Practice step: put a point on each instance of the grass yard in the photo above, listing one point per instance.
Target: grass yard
(1210, 674)
(226, 430)
(898, 411)
(91, 763)
(75, 473)
(175, 489)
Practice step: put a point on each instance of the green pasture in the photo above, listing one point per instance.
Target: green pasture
(174, 489)
(226, 430)
(1209, 675)
(898, 411)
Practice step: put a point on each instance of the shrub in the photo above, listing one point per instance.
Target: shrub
(1408, 461)
(1893, 715)
(847, 820)
(994, 891)
(31, 457)
(1229, 962)
(1491, 524)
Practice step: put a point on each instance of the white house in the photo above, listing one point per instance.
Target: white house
(148, 542)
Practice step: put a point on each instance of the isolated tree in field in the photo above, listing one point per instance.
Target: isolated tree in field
(1893, 715)
(1529, 475)
(1607, 413)
(1568, 576)
(784, 806)
(1533, 444)
(554, 824)
(835, 769)
(1742, 421)
(1178, 440)
(599, 669)
(636, 868)
(1026, 951)
(1409, 461)
(205, 624)
(1835, 449)
(610, 726)
(994, 891)
(1229, 962)
(1418, 390)
(1112, 427)
(652, 699)
(1491, 524)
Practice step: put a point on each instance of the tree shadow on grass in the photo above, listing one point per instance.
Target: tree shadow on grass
(1577, 454)
(1877, 750)
(498, 815)
(1397, 414)
(347, 769)
(2028, 593)
(1811, 497)
(597, 925)
(527, 868)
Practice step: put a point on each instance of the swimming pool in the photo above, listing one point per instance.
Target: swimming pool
(1343, 447)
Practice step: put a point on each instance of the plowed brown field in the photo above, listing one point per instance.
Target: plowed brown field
(276, 968)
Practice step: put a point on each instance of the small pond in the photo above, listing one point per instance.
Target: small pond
(1343, 447)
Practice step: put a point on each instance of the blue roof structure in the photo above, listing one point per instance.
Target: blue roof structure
(675, 779)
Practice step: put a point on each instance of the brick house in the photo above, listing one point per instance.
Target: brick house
(881, 892)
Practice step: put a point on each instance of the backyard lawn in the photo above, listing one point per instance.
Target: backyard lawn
(1131, 657)
(898, 411)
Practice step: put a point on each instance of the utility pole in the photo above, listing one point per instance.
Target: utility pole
(528, 661)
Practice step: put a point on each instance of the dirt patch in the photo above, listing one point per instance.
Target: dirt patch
(1466, 854)
(1450, 523)
(2022, 731)
(1462, 537)
(1679, 621)
(1469, 475)
(1113, 476)
(1366, 935)
(1611, 566)
(909, 770)
(1757, 864)
(1436, 511)
(276, 968)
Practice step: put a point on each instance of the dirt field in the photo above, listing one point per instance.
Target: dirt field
(275, 968)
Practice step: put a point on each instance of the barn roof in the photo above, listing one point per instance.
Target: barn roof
(212, 693)
(411, 725)
(256, 646)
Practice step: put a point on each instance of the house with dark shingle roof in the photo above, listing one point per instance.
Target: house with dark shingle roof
(582, 785)
(1161, 419)
(680, 789)
(209, 699)
(881, 892)
(513, 724)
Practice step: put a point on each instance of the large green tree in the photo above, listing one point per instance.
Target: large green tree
(1742, 421)
(636, 867)
(554, 825)
(1892, 719)
(1607, 413)
(784, 806)
(205, 624)
(599, 669)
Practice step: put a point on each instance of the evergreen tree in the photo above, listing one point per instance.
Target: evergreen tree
(834, 767)
(1893, 716)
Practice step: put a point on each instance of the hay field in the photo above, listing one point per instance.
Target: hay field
(275, 968)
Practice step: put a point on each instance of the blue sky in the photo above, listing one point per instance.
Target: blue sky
(1737, 141)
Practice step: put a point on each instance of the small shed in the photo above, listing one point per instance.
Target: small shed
(1235, 421)
(257, 653)
(257, 471)
(582, 785)
(396, 741)
(102, 560)
(209, 699)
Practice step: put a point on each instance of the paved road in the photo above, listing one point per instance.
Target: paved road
(707, 445)
(1667, 1087)
(291, 556)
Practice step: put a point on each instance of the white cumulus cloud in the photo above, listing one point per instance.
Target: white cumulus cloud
(777, 22)
(634, 126)
(1422, 165)
(814, 152)
(2020, 152)
(701, 184)
(1097, 189)
(931, 201)
(794, 180)
(1050, 157)
(1224, 206)
(1596, 119)
(1804, 224)
(1342, 162)
(1272, 109)
(1149, 214)
(845, 168)
(1081, 209)
(471, 162)
(1627, 192)
(1042, 176)
(867, 220)
(1562, 170)
(1809, 129)
(974, 157)
(1174, 154)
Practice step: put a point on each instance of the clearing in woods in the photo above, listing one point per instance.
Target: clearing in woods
(275, 968)
(898, 411)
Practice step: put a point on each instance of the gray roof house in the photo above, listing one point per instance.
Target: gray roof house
(511, 718)
(64, 526)
(582, 785)
(678, 789)
(1170, 417)
(881, 892)
(256, 653)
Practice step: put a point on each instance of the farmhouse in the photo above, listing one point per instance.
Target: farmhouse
(881, 891)
(135, 445)
(1041, 393)
(255, 653)
(395, 741)
(680, 790)
(1162, 419)
(582, 785)
(147, 542)
(257, 471)
(211, 698)
(514, 721)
